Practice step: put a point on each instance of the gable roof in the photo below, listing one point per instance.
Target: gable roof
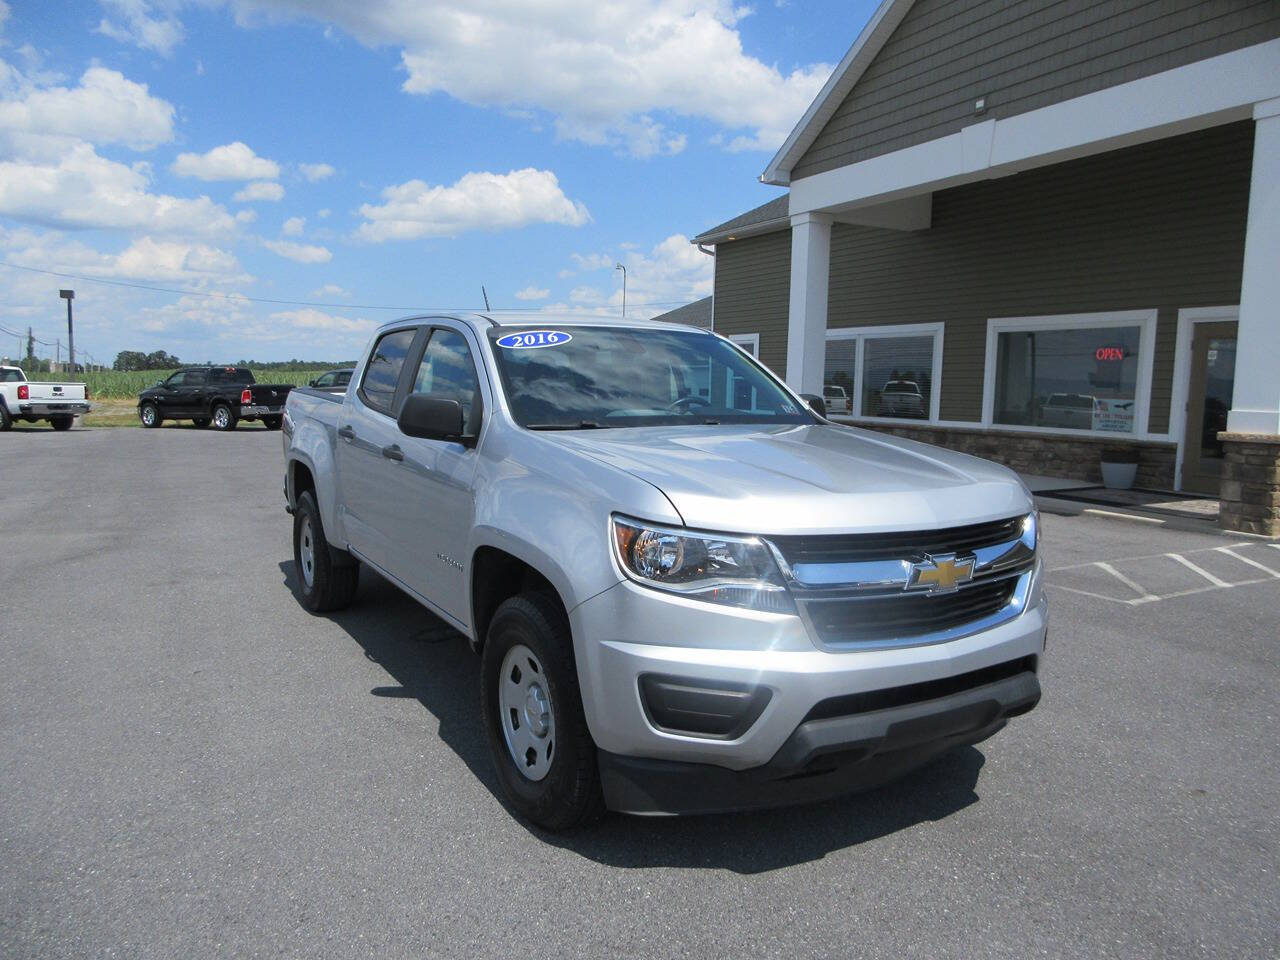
(874, 35)
(696, 314)
(773, 215)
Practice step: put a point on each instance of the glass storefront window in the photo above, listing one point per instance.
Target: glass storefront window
(1081, 378)
(877, 373)
(897, 377)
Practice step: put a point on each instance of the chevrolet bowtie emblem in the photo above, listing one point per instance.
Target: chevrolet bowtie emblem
(940, 574)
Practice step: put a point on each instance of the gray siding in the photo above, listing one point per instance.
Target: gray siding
(1159, 225)
(753, 292)
(1020, 56)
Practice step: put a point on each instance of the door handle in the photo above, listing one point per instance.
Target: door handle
(393, 452)
(346, 433)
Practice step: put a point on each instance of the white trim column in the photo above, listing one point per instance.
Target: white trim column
(807, 318)
(1255, 403)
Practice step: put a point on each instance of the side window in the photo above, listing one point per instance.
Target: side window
(195, 378)
(325, 380)
(447, 371)
(383, 371)
(179, 379)
(342, 379)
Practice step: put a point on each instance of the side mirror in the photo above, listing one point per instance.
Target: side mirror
(431, 418)
(816, 403)
(312, 383)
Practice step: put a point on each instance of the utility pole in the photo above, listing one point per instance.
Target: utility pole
(57, 350)
(69, 295)
(31, 348)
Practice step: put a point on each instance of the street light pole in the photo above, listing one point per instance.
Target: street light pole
(618, 266)
(69, 295)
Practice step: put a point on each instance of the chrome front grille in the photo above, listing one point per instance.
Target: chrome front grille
(858, 591)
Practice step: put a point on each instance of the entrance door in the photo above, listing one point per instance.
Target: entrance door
(1213, 370)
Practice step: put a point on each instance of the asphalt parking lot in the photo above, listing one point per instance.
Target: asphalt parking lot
(191, 765)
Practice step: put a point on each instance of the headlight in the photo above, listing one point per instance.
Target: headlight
(738, 571)
(1031, 530)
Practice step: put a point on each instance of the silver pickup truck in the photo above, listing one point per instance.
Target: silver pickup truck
(689, 591)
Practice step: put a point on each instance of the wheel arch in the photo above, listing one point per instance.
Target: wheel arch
(497, 574)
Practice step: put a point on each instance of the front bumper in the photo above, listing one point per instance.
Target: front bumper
(628, 632)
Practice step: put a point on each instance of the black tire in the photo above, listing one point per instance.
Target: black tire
(329, 578)
(6, 421)
(223, 417)
(568, 794)
(200, 422)
(149, 414)
(272, 423)
(60, 423)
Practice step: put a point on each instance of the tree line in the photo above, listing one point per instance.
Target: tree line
(160, 360)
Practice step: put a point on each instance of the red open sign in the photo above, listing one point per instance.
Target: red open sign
(1109, 353)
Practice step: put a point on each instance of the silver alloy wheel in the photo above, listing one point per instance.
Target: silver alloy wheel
(528, 720)
(148, 414)
(307, 552)
(221, 417)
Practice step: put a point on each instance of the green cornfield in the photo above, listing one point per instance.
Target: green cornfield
(127, 384)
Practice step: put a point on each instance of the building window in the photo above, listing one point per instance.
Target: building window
(884, 372)
(1087, 373)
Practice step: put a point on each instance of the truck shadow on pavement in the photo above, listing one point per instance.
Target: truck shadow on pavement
(429, 661)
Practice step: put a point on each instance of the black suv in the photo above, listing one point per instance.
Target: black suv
(217, 396)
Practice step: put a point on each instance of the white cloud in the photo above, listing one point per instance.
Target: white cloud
(146, 258)
(82, 190)
(673, 273)
(324, 214)
(4, 14)
(246, 215)
(299, 252)
(294, 226)
(105, 108)
(613, 73)
(315, 172)
(137, 25)
(232, 161)
(532, 293)
(310, 320)
(478, 201)
(331, 290)
(260, 190)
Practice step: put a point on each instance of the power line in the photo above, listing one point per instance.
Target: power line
(237, 297)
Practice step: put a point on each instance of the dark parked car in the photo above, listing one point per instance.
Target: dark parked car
(333, 381)
(217, 396)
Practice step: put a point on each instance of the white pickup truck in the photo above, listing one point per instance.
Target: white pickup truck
(30, 402)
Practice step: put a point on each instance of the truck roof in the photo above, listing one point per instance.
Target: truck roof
(481, 322)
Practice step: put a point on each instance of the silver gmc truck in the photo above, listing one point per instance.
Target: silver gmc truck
(690, 592)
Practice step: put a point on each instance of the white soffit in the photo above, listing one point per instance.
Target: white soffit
(879, 28)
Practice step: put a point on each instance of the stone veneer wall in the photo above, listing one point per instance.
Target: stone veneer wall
(1043, 454)
(1250, 483)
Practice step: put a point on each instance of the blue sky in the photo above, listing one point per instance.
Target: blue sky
(387, 153)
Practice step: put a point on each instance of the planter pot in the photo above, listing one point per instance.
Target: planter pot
(1118, 476)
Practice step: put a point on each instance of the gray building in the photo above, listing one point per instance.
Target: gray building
(1046, 232)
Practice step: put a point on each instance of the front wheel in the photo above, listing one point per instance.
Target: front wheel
(6, 421)
(223, 418)
(60, 423)
(149, 415)
(532, 707)
(327, 577)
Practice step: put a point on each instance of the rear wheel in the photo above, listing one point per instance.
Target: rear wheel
(149, 415)
(223, 418)
(201, 422)
(6, 421)
(327, 577)
(532, 707)
(60, 423)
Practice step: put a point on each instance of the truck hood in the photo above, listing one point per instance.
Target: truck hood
(805, 479)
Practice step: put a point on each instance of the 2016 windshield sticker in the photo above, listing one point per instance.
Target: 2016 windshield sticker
(533, 339)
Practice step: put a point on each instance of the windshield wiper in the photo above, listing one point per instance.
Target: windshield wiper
(580, 425)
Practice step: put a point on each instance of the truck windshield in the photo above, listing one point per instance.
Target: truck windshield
(578, 378)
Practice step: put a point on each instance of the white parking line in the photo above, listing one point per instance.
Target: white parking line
(1251, 562)
(1144, 595)
(1217, 582)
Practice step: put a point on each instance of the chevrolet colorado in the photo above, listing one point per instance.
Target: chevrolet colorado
(689, 591)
